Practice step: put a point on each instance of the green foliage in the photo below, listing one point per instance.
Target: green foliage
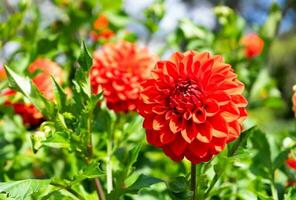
(23, 189)
(178, 188)
(29, 90)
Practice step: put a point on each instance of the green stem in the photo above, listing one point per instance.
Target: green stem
(274, 192)
(109, 161)
(199, 192)
(273, 188)
(99, 189)
(193, 180)
(215, 179)
(109, 167)
(89, 137)
(69, 189)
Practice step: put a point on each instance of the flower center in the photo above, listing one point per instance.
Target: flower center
(186, 96)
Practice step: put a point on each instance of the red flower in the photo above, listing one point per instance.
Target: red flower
(253, 45)
(192, 106)
(118, 69)
(101, 22)
(291, 163)
(2, 73)
(30, 115)
(43, 79)
(102, 30)
(294, 100)
(104, 34)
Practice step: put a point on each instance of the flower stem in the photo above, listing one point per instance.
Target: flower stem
(274, 192)
(67, 188)
(99, 189)
(109, 166)
(109, 160)
(193, 181)
(273, 188)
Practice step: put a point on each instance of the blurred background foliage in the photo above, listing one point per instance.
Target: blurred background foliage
(42, 28)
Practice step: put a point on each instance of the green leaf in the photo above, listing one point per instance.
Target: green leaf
(23, 189)
(92, 170)
(29, 90)
(57, 140)
(142, 182)
(94, 99)
(60, 96)
(85, 60)
(37, 139)
(134, 155)
(240, 142)
(179, 189)
(178, 184)
(262, 163)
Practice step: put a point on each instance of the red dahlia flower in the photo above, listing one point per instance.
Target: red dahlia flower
(253, 45)
(192, 106)
(294, 100)
(30, 115)
(118, 69)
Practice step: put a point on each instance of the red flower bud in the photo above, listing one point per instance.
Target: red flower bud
(253, 45)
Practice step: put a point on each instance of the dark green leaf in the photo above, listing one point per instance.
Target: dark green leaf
(179, 189)
(143, 181)
(60, 95)
(262, 164)
(134, 155)
(240, 142)
(178, 184)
